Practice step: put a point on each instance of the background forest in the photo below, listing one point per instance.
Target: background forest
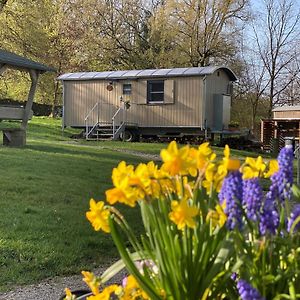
(259, 40)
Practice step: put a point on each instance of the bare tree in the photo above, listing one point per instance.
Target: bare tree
(277, 40)
(252, 85)
(291, 94)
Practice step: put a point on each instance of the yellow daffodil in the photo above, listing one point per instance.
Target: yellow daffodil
(126, 195)
(121, 172)
(213, 179)
(182, 214)
(98, 216)
(141, 181)
(130, 184)
(105, 294)
(273, 168)
(92, 281)
(69, 295)
(217, 216)
(253, 167)
(205, 155)
(123, 191)
(154, 188)
(178, 161)
(140, 176)
(228, 164)
(215, 173)
(132, 290)
(183, 187)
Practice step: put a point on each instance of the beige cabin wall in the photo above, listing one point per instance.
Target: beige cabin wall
(289, 114)
(216, 84)
(185, 111)
(81, 96)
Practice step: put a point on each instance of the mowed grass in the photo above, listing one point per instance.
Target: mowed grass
(44, 193)
(45, 189)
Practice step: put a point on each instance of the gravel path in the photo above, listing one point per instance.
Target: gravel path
(52, 289)
(148, 156)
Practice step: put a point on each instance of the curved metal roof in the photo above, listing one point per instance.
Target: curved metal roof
(287, 108)
(147, 73)
(20, 62)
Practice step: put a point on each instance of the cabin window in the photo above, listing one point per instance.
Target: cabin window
(155, 91)
(127, 89)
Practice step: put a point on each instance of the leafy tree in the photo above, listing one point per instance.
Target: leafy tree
(2, 4)
(45, 31)
(123, 34)
(205, 29)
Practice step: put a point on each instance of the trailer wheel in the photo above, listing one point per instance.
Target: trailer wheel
(129, 136)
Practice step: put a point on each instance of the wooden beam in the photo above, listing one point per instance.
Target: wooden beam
(3, 67)
(12, 113)
(275, 130)
(34, 75)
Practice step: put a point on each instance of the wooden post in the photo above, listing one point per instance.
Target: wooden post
(34, 80)
(299, 134)
(275, 130)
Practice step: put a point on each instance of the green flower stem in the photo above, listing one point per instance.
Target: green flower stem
(126, 228)
(144, 283)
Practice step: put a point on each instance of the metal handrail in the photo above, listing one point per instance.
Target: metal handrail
(116, 113)
(87, 131)
(87, 116)
(89, 127)
(114, 121)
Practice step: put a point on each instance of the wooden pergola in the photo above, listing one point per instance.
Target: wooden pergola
(8, 60)
(284, 125)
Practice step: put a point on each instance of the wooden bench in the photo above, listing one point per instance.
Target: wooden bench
(13, 137)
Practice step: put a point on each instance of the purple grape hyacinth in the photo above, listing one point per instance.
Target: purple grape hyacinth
(294, 215)
(269, 218)
(231, 192)
(280, 188)
(248, 292)
(252, 197)
(283, 179)
(234, 276)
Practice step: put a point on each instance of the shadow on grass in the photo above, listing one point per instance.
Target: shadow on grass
(95, 153)
(55, 131)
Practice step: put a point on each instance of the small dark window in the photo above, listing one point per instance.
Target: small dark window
(127, 89)
(155, 91)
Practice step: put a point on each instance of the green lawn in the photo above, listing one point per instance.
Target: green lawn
(45, 189)
(44, 193)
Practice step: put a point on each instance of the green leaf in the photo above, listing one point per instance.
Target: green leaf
(144, 283)
(269, 278)
(117, 267)
(296, 192)
(292, 291)
(218, 264)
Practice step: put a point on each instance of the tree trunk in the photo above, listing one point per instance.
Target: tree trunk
(271, 98)
(54, 104)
